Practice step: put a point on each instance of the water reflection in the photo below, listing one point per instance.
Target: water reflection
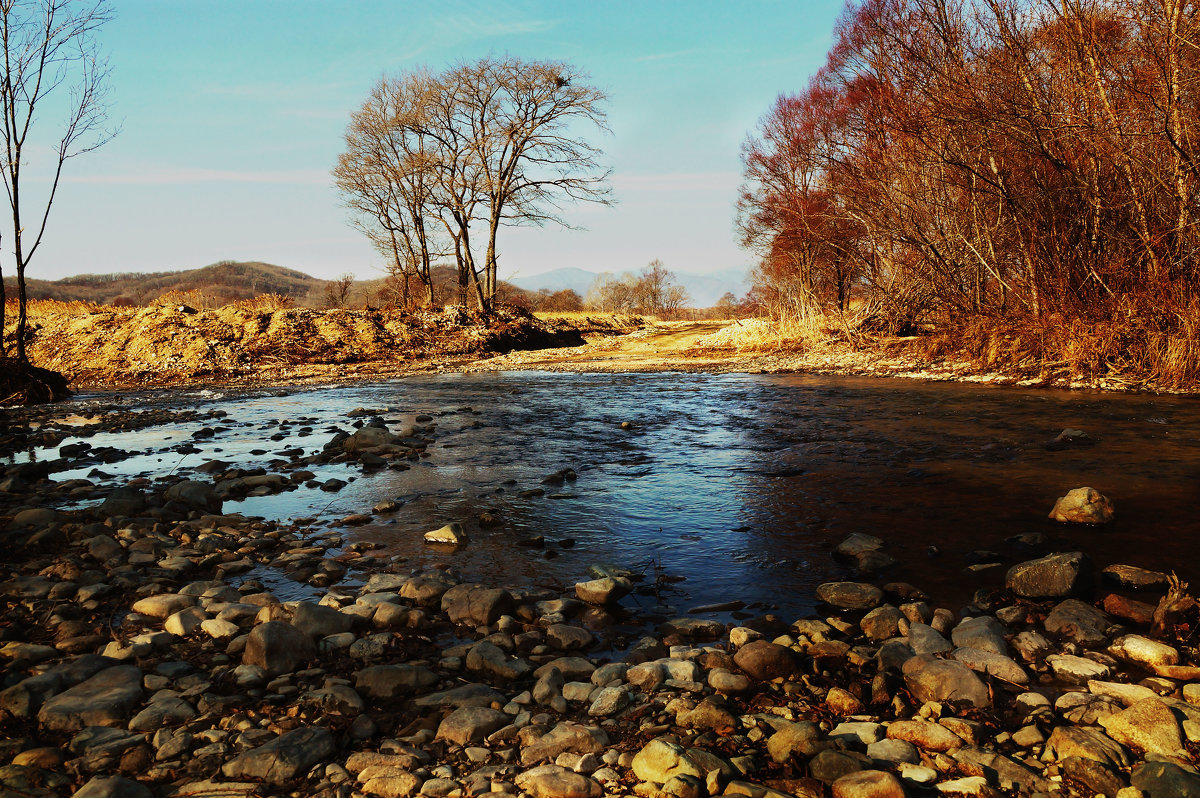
(740, 483)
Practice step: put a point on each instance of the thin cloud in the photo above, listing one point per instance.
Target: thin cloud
(185, 175)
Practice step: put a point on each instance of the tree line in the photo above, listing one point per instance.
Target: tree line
(1012, 160)
(436, 163)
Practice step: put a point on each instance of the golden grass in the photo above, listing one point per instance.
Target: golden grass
(55, 307)
(266, 303)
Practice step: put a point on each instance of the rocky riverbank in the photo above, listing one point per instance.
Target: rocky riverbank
(144, 653)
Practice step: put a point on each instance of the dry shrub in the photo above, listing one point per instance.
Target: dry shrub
(47, 307)
(1138, 348)
(192, 298)
(265, 303)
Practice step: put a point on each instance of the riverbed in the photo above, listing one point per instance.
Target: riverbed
(713, 488)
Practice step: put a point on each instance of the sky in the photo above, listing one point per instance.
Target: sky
(232, 114)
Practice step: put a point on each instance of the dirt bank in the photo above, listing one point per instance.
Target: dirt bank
(750, 346)
(173, 344)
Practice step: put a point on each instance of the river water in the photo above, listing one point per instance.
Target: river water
(737, 485)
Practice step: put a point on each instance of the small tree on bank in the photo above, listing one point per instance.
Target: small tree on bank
(50, 55)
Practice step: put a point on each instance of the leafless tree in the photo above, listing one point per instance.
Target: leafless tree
(51, 60)
(485, 143)
(337, 292)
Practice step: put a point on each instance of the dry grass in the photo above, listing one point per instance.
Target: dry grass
(265, 303)
(1161, 351)
(37, 307)
(193, 298)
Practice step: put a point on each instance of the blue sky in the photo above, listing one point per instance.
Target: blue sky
(232, 114)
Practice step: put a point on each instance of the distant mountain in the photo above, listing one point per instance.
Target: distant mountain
(704, 289)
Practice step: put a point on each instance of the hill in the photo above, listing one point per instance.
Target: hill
(229, 281)
(220, 283)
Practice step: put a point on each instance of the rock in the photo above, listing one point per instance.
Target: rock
(112, 787)
(967, 787)
(475, 605)
(991, 663)
(924, 735)
(802, 738)
(213, 789)
(165, 711)
(392, 783)
(284, 758)
(850, 595)
(565, 737)
(924, 639)
(452, 534)
(661, 759)
(106, 699)
(1078, 622)
(829, 766)
(278, 647)
(839, 701)
(1097, 777)
(367, 437)
(317, 621)
(982, 632)
(1052, 576)
(1085, 741)
(186, 621)
(607, 590)
(1082, 506)
(552, 781)
(565, 636)
(470, 724)
(608, 701)
(123, 501)
(1085, 708)
(1144, 651)
(162, 605)
(865, 732)
(196, 495)
(1077, 670)
(426, 590)
(1128, 609)
(765, 661)
(881, 623)
(392, 681)
(1165, 780)
(1130, 576)
(932, 679)
(868, 784)
(467, 695)
(858, 543)
(484, 657)
(893, 752)
(1148, 726)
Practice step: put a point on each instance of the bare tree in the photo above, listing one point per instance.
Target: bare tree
(337, 292)
(491, 142)
(51, 59)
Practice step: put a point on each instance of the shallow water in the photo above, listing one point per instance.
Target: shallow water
(740, 484)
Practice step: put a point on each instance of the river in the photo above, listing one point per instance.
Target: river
(736, 485)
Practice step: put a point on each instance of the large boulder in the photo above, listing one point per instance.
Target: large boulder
(933, 679)
(318, 621)
(1052, 576)
(476, 605)
(765, 660)
(1082, 506)
(196, 495)
(278, 647)
(367, 438)
(850, 595)
(106, 699)
(284, 758)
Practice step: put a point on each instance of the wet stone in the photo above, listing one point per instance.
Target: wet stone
(850, 595)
